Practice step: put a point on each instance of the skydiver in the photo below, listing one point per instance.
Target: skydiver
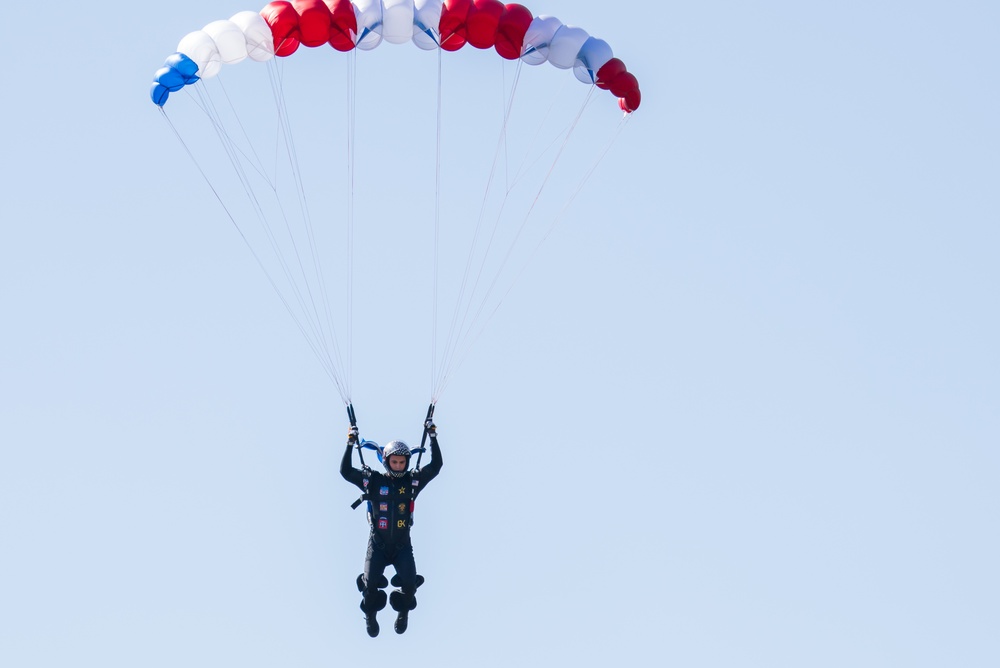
(390, 496)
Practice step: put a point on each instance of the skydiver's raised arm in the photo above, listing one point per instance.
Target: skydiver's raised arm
(427, 473)
(347, 470)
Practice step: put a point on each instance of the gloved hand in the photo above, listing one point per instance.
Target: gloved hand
(352, 435)
(430, 428)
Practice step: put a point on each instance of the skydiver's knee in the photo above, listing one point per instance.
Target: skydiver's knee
(401, 601)
(380, 582)
(373, 600)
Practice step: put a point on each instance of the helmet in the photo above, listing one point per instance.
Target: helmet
(395, 448)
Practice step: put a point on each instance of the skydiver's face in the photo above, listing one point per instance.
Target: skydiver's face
(397, 463)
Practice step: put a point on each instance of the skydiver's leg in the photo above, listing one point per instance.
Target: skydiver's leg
(375, 562)
(403, 599)
(406, 570)
(371, 583)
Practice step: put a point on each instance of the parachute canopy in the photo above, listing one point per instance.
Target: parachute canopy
(293, 203)
(281, 27)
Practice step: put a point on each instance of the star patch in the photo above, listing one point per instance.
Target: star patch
(402, 490)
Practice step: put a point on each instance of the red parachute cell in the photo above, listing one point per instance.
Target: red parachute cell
(314, 22)
(513, 25)
(626, 88)
(284, 22)
(608, 72)
(452, 24)
(482, 22)
(630, 102)
(623, 84)
(343, 24)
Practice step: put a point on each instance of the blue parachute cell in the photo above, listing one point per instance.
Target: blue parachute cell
(187, 67)
(178, 71)
(170, 79)
(159, 94)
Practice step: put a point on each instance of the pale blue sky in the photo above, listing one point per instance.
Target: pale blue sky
(741, 410)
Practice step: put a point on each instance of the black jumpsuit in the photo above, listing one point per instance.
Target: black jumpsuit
(389, 543)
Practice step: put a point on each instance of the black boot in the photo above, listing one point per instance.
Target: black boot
(401, 621)
(402, 604)
(371, 602)
(372, 624)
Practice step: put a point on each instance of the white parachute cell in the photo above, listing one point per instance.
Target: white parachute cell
(594, 54)
(369, 15)
(565, 46)
(260, 43)
(200, 47)
(426, 17)
(397, 21)
(229, 40)
(536, 41)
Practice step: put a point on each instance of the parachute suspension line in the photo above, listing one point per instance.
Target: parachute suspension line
(471, 334)
(518, 68)
(455, 330)
(208, 106)
(256, 163)
(229, 146)
(327, 335)
(503, 94)
(524, 168)
(310, 310)
(315, 341)
(314, 251)
(352, 77)
(437, 234)
(583, 181)
(555, 221)
(267, 274)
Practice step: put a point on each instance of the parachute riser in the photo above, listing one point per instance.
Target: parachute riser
(423, 439)
(354, 423)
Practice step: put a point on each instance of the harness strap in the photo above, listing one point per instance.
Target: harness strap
(414, 483)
